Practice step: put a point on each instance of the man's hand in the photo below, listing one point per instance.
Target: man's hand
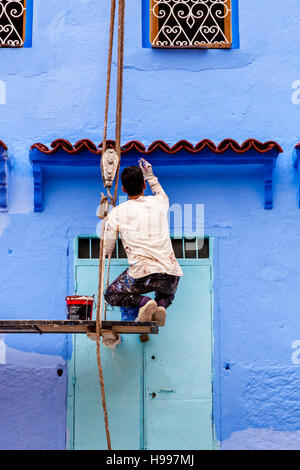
(146, 168)
(155, 187)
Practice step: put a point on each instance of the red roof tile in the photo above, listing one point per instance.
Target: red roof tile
(159, 145)
(3, 145)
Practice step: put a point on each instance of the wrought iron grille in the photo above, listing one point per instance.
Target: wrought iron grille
(12, 23)
(190, 23)
(184, 248)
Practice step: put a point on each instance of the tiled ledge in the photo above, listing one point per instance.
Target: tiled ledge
(86, 153)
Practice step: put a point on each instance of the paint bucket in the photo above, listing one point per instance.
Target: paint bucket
(80, 307)
(129, 313)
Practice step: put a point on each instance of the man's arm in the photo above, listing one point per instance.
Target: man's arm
(156, 188)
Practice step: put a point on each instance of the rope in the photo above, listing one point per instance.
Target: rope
(98, 330)
(120, 75)
(108, 73)
(121, 28)
(104, 200)
(107, 283)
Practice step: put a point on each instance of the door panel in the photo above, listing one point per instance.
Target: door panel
(183, 425)
(175, 366)
(178, 370)
(122, 375)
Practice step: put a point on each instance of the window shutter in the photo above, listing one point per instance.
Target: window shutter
(190, 23)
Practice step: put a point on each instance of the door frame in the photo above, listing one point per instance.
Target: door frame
(212, 261)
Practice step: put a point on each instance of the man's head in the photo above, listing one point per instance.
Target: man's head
(133, 181)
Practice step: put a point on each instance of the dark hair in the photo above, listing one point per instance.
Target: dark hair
(132, 180)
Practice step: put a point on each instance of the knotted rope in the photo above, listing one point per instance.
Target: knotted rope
(109, 200)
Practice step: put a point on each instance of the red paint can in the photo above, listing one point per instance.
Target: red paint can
(80, 307)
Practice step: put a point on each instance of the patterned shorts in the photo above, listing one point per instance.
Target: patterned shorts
(126, 291)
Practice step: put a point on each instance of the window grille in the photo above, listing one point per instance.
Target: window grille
(184, 248)
(12, 23)
(190, 23)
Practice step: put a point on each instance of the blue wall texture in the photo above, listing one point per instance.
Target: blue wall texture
(57, 89)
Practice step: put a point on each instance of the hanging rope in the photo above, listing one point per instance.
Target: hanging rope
(106, 201)
(108, 75)
(121, 28)
(98, 330)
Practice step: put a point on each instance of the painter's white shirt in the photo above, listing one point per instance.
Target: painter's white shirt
(144, 229)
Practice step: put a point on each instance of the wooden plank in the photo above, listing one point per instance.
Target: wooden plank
(78, 326)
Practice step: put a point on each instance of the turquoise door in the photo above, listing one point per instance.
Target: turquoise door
(159, 394)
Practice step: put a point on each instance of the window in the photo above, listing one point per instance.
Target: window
(191, 248)
(15, 23)
(191, 23)
(184, 248)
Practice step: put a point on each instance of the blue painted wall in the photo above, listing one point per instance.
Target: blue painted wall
(56, 89)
